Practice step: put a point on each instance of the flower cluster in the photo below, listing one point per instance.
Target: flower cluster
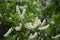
(57, 36)
(37, 25)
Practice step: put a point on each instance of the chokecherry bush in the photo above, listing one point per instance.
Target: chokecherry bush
(29, 19)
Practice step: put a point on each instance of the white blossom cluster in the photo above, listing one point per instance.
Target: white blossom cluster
(30, 26)
(8, 32)
(21, 14)
(18, 28)
(37, 24)
(57, 36)
(33, 36)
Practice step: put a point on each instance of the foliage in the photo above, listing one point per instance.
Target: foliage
(10, 17)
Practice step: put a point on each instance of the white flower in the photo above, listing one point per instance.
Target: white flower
(18, 28)
(43, 28)
(43, 23)
(29, 26)
(36, 24)
(33, 36)
(57, 36)
(8, 32)
(17, 9)
(22, 15)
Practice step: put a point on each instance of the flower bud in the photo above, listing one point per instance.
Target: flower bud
(43, 23)
(8, 32)
(33, 36)
(57, 36)
(22, 15)
(44, 28)
(18, 28)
